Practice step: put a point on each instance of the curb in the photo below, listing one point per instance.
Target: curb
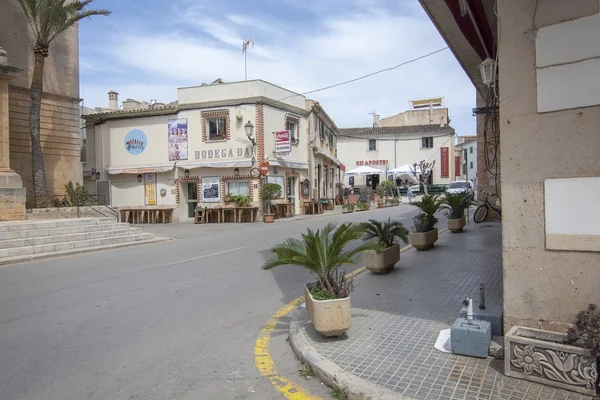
(330, 373)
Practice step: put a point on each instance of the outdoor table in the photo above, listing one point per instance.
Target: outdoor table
(284, 210)
(151, 215)
(312, 207)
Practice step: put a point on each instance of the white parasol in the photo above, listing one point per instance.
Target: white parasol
(364, 170)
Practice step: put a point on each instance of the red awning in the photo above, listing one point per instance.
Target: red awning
(342, 167)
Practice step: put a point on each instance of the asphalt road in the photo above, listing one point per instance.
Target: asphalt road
(172, 320)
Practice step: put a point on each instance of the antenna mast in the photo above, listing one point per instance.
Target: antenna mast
(246, 43)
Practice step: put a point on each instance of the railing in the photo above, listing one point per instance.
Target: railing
(92, 202)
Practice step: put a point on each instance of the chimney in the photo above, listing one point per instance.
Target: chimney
(376, 120)
(113, 100)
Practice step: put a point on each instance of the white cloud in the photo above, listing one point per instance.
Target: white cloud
(299, 55)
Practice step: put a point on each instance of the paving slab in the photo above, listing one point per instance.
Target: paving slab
(396, 318)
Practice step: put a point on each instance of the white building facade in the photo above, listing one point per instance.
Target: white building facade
(196, 151)
(386, 148)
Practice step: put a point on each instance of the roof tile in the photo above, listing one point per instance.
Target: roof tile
(395, 130)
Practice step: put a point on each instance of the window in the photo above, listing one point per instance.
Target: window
(331, 140)
(217, 128)
(351, 181)
(237, 188)
(372, 144)
(471, 149)
(293, 128)
(427, 142)
(321, 130)
(471, 164)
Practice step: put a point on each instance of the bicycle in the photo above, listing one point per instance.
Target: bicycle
(482, 211)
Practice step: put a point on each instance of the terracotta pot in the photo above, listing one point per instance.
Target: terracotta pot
(269, 218)
(380, 204)
(457, 225)
(329, 317)
(424, 240)
(380, 263)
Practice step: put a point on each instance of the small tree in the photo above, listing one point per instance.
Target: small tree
(77, 195)
(48, 19)
(426, 169)
(269, 192)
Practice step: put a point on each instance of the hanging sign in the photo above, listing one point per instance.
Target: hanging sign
(150, 189)
(283, 142)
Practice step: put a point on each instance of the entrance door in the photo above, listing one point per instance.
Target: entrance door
(372, 181)
(292, 195)
(192, 198)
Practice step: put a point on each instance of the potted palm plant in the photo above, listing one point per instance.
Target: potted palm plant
(269, 192)
(323, 252)
(426, 233)
(347, 208)
(456, 204)
(387, 234)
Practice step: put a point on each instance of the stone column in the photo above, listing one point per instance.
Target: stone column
(12, 192)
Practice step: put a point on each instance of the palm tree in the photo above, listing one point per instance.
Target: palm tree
(48, 19)
(456, 204)
(429, 205)
(322, 253)
(386, 232)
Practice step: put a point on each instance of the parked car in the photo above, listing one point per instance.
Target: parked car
(459, 187)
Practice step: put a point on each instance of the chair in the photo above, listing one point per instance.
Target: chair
(200, 215)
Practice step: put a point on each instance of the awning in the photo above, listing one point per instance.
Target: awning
(327, 155)
(288, 163)
(218, 164)
(342, 167)
(139, 170)
(364, 170)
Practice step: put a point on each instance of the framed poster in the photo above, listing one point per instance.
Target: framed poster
(150, 189)
(178, 139)
(280, 180)
(211, 189)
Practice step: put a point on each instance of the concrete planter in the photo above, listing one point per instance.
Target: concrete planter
(269, 218)
(457, 225)
(347, 210)
(329, 317)
(380, 263)
(540, 356)
(424, 240)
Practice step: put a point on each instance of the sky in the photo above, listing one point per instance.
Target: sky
(146, 49)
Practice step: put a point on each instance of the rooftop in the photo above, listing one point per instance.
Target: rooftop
(395, 130)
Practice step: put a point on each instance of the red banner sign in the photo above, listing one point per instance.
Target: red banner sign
(372, 162)
(457, 166)
(445, 162)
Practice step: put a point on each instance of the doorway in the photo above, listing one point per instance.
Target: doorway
(190, 191)
(292, 194)
(372, 181)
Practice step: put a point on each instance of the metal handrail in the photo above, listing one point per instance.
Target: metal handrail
(91, 199)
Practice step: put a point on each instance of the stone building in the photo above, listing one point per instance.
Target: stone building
(60, 115)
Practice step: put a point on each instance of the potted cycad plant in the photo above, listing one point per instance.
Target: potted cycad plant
(426, 233)
(456, 204)
(269, 192)
(323, 252)
(347, 208)
(387, 233)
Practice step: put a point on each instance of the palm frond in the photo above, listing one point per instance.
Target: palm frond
(429, 204)
(386, 233)
(456, 204)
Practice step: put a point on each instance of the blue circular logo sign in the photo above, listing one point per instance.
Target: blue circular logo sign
(135, 141)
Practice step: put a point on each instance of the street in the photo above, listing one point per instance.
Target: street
(173, 320)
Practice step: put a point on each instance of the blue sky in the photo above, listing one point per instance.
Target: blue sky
(146, 49)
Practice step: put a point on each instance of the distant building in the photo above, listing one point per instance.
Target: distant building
(466, 154)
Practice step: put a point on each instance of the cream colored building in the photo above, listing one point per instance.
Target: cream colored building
(547, 144)
(195, 151)
(429, 111)
(386, 148)
(60, 122)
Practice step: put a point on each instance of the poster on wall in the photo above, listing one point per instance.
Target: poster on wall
(150, 189)
(283, 142)
(280, 180)
(211, 189)
(135, 142)
(445, 161)
(178, 139)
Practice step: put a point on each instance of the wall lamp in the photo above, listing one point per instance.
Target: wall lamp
(186, 173)
(139, 177)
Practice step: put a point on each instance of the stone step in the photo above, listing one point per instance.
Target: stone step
(62, 253)
(68, 237)
(34, 233)
(79, 244)
(27, 225)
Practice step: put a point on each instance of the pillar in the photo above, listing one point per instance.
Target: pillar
(12, 192)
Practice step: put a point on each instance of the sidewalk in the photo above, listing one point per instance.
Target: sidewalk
(388, 353)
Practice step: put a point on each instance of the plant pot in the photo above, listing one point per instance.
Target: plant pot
(269, 218)
(380, 204)
(347, 211)
(540, 356)
(352, 199)
(380, 263)
(329, 317)
(457, 225)
(424, 240)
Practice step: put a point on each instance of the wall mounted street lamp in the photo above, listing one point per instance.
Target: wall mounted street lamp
(98, 175)
(236, 172)
(139, 177)
(249, 132)
(487, 69)
(186, 173)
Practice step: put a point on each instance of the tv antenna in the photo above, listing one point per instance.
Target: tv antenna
(247, 43)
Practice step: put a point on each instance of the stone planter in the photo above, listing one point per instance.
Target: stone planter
(329, 317)
(269, 218)
(347, 210)
(457, 225)
(380, 263)
(424, 240)
(539, 356)
(352, 199)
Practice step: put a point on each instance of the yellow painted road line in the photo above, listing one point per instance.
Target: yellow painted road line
(265, 363)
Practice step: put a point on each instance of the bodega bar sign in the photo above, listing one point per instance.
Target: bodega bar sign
(371, 162)
(239, 152)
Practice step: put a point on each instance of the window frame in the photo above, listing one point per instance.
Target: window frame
(427, 142)
(215, 115)
(237, 181)
(470, 164)
(294, 138)
(471, 150)
(374, 141)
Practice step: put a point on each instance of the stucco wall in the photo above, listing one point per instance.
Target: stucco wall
(418, 117)
(408, 151)
(540, 286)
